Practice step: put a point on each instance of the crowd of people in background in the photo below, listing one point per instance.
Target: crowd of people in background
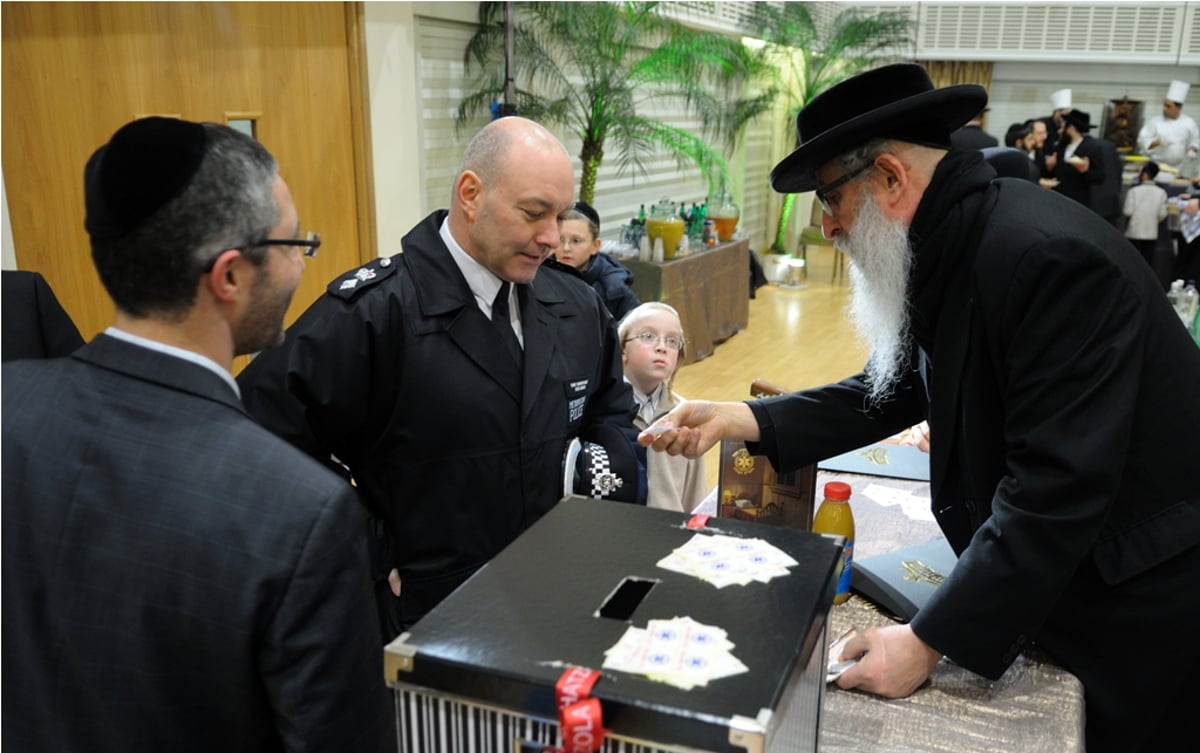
(1069, 159)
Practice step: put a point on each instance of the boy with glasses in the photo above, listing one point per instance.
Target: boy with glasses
(651, 344)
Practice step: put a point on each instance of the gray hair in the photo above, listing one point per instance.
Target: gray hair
(485, 151)
(863, 153)
(923, 157)
(229, 203)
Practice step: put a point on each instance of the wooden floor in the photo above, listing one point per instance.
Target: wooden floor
(797, 338)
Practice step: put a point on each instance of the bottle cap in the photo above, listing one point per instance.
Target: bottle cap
(837, 490)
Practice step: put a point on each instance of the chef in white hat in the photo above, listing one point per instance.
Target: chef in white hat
(1061, 102)
(1171, 137)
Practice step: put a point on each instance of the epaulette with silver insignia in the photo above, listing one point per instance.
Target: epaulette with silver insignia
(355, 281)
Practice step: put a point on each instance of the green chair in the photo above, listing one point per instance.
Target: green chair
(811, 236)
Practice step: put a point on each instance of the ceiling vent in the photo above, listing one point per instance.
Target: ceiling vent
(1075, 33)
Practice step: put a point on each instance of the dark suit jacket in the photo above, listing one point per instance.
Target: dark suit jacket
(33, 324)
(1105, 197)
(1074, 184)
(175, 578)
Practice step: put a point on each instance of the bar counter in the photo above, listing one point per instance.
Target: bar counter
(710, 289)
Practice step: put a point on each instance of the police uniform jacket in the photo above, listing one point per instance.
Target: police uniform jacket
(397, 373)
(1061, 394)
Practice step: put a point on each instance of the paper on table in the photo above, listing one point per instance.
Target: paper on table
(681, 652)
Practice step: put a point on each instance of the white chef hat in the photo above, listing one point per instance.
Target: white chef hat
(1177, 91)
(1061, 99)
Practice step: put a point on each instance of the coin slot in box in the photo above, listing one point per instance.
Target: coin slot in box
(626, 598)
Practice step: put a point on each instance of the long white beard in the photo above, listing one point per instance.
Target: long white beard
(882, 259)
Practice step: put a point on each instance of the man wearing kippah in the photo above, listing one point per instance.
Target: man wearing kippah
(580, 254)
(1060, 390)
(175, 577)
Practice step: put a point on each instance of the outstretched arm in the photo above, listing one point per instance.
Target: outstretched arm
(693, 427)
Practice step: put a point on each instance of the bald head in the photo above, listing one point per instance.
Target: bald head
(501, 140)
(515, 182)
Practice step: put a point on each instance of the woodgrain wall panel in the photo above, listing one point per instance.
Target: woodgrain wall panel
(75, 72)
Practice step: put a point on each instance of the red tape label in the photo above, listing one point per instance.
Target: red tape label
(580, 716)
(699, 520)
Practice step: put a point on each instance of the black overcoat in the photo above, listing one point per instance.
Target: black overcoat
(1062, 395)
(400, 376)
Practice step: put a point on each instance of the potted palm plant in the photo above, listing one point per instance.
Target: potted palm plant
(597, 68)
(803, 57)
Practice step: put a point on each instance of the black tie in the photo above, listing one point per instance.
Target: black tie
(503, 324)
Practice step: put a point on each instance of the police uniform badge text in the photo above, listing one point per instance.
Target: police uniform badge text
(576, 399)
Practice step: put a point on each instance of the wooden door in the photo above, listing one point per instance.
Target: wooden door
(73, 73)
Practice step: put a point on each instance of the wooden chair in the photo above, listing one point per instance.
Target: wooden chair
(749, 489)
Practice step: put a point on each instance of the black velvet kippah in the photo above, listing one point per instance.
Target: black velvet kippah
(586, 210)
(144, 165)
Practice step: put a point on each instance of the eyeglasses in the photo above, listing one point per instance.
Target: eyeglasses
(310, 242)
(652, 340)
(827, 194)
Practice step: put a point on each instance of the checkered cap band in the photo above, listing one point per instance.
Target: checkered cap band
(604, 481)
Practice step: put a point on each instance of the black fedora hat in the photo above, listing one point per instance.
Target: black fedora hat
(1080, 119)
(894, 101)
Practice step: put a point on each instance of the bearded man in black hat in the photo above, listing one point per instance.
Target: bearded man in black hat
(1079, 164)
(1061, 395)
(176, 577)
(1088, 170)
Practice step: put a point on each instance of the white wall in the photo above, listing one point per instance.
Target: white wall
(392, 82)
(8, 256)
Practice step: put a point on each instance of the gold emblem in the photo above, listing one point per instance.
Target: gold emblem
(918, 572)
(877, 455)
(743, 462)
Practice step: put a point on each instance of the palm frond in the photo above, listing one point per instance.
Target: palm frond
(590, 67)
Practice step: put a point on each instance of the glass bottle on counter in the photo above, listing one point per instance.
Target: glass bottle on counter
(665, 223)
(835, 517)
(724, 214)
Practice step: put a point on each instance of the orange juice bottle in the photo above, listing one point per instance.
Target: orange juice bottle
(834, 516)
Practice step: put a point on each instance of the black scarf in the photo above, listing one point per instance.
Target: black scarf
(940, 233)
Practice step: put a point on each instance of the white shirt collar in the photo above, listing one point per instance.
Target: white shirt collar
(647, 404)
(483, 283)
(171, 350)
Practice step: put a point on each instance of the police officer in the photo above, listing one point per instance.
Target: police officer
(450, 377)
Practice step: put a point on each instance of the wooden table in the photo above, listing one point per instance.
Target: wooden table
(710, 290)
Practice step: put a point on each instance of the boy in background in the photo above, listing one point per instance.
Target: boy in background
(580, 249)
(1146, 207)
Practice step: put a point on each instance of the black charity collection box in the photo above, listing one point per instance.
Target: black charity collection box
(478, 673)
